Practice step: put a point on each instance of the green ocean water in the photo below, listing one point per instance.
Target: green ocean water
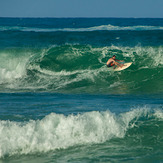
(81, 68)
(60, 103)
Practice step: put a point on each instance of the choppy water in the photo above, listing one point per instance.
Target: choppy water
(60, 103)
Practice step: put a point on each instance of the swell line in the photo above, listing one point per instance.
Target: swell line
(89, 29)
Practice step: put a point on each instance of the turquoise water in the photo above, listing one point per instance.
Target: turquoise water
(60, 103)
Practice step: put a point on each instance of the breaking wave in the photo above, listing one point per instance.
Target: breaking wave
(57, 131)
(81, 68)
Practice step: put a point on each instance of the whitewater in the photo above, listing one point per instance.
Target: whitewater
(60, 103)
(56, 131)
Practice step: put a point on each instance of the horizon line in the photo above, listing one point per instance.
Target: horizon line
(82, 17)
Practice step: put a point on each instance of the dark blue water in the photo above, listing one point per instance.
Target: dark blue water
(60, 103)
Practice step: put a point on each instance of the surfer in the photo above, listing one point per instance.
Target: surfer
(112, 62)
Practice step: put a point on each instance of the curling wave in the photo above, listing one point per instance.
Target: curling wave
(81, 68)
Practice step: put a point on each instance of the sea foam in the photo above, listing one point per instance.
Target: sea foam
(57, 131)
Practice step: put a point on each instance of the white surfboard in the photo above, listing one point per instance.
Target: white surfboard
(126, 65)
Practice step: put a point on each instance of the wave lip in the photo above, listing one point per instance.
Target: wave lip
(57, 131)
(108, 27)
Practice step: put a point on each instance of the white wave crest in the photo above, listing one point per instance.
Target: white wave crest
(57, 131)
(95, 28)
(12, 67)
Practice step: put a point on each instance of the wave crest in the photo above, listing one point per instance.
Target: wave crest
(57, 131)
(108, 27)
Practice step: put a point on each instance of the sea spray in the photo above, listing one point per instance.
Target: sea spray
(13, 64)
(57, 131)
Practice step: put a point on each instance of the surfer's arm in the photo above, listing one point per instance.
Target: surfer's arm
(118, 64)
(119, 60)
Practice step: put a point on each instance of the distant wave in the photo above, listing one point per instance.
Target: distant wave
(57, 131)
(95, 28)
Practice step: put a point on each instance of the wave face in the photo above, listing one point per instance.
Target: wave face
(57, 131)
(81, 68)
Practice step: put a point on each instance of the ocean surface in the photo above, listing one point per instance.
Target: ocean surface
(60, 103)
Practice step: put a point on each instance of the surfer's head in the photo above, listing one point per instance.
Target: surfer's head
(114, 56)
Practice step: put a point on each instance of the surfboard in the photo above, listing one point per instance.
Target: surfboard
(126, 65)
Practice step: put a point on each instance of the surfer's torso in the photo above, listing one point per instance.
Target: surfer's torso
(110, 62)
